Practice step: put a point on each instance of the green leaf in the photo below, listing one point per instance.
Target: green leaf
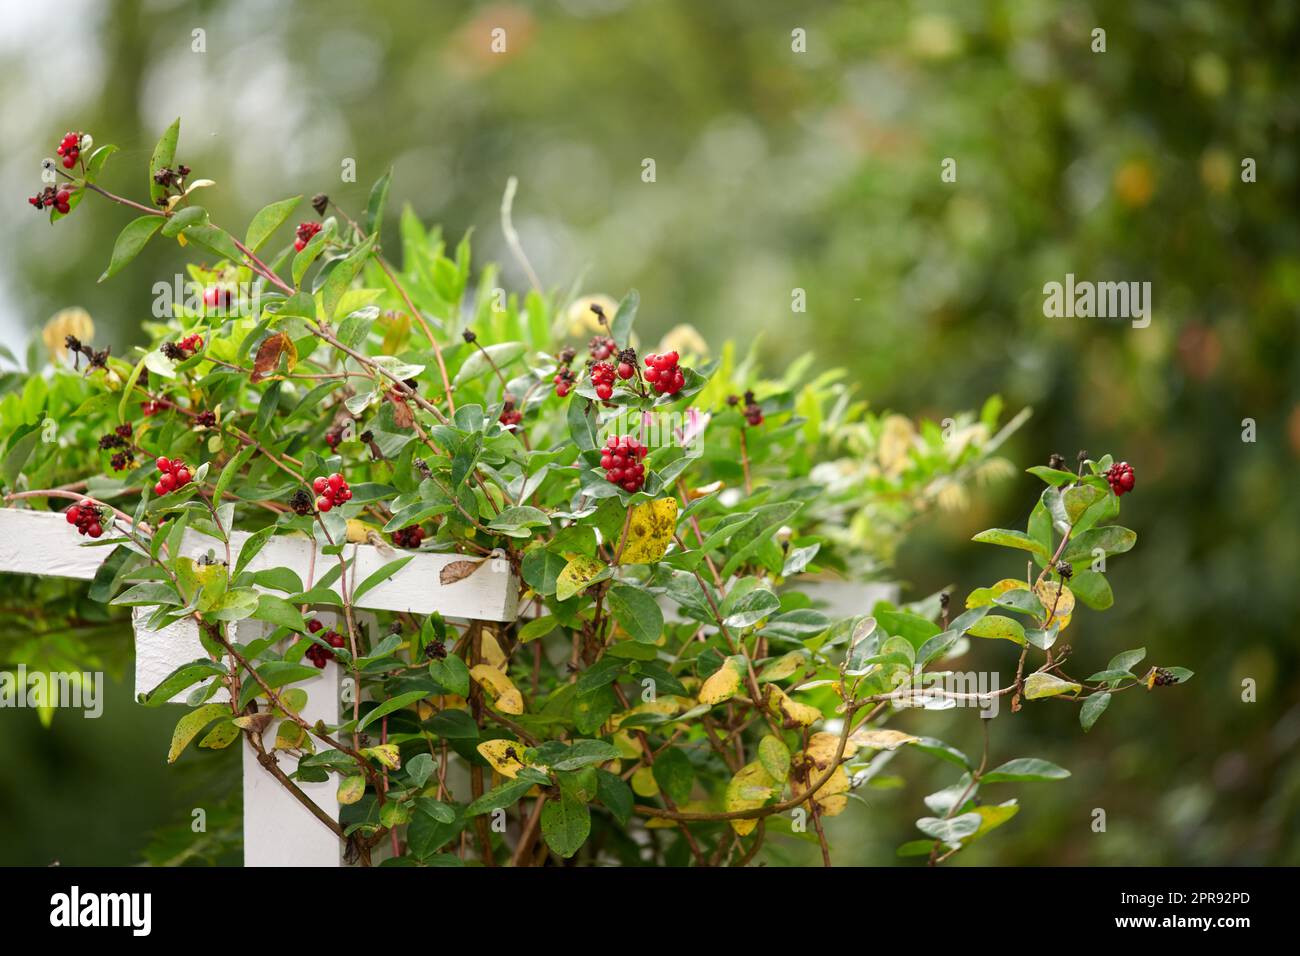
(1025, 768)
(229, 472)
(188, 727)
(579, 573)
(1111, 539)
(1007, 538)
(380, 575)
(566, 822)
(621, 328)
(997, 626)
(1092, 588)
(674, 774)
(749, 608)
(1093, 708)
(375, 204)
(774, 755)
(215, 239)
(451, 674)
(268, 219)
(1127, 660)
(17, 455)
(615, 794)
(584, 753)
(637, 612)
(500, 797)
(1079, 499)
(164, 156)
(182, 219)
(581, 427)
(182, 677)
(1048, 685)
(950, 829)
(390, 705)
(133, 237)
(1053, 476)
(341, 275)
(279, 612)
(477, 364)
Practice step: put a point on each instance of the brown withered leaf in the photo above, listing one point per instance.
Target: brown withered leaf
(268, 356)
(458, 571)
(403, 417)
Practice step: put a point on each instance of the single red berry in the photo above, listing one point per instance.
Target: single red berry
(164, 464)
(320, 484)
(314, 625)
(562, 390)
(323, 504)
(604, 391)
(159, 489)
(183, 476)
(335, 481)
(74, 515)
(95, 530)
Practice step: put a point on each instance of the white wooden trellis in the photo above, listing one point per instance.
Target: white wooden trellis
(278, 830)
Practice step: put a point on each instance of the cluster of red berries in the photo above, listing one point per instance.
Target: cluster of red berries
(753, 413)
(317, 654)
(333, 437)
(622, 460)
(563, 382)
(663, 373)
(305, 232)
(85, 515)
(409, 537)
(179, 351)
(602, 376)
(602, 347)
(510, 416)
(51, 198)
(330, 491)
(1121, 478)
(175, 474)
(70, 150)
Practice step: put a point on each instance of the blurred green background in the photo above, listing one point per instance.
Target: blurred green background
(779, 170)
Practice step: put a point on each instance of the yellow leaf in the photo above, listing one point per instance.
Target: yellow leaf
(577, 574)
(649, 531)
(75, 322)
(822, 746)
(505, 756)
(359, 531)
(1048, 593)
(491, 652)
(386, 755)
(181, 240)
(897, 435)
(644, 783)
(779, 702)
(626, 745)
(289, 736)
(507, 698)
(722, 684)
(351, 789)
(881, 739)
(750, 788)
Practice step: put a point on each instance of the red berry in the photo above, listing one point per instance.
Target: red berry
(345, 494)
(314, 625)
(167, 481)
(69, 161)
(336, 640)
(94, 530)
(652, 375)
(1121, 478)
(164, 464)
(182, 475)
(631, 484)
(159, 489)
(625, 371)
(336, 481)
(604, 391)
(74, 515)
(323, 504)
(319, 485)
(562, 390)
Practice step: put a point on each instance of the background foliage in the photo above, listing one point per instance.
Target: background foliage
(818, 171)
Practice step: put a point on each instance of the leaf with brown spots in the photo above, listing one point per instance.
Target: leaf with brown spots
(268, 356)
(403, 417)
(649, 531)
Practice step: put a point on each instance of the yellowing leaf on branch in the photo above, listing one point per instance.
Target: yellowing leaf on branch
(789, 709)
(880, 739)
(490, 650)
(1056, 596)
(506, 697)
(982, 597)
(783, 667)
(576, 576)
(814, 761)
(749, 789)
(505, 756)
(649, 531)
(644, 783)
(722, 683)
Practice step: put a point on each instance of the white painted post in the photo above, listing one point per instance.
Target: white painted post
(278, 831)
